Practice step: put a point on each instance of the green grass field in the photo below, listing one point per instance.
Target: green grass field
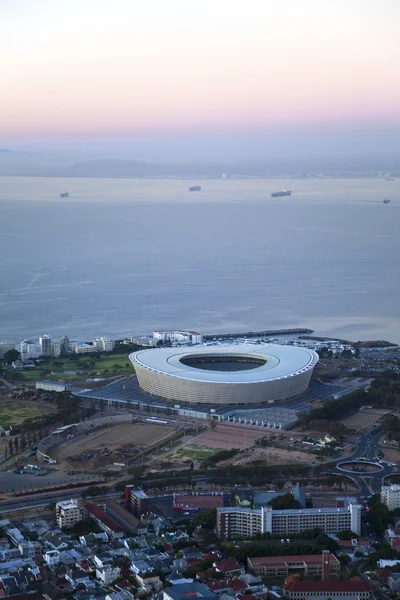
(14, 414)
(108, 365)
(193, 452)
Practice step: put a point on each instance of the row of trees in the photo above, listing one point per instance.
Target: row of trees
(383, 393)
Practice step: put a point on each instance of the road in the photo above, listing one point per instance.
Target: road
(367, 447)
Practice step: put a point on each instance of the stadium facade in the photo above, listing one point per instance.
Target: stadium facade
(222, 375)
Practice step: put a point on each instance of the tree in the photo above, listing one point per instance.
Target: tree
(11, 447)
(10, 356)
(213, 423)
(16, 445)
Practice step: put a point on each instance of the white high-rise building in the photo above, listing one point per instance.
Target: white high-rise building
(390, 495)
(46, 346)
(28, 349)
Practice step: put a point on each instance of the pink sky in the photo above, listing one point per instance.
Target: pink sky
(126, 66)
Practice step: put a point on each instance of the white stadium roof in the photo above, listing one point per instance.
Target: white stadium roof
(281, 362)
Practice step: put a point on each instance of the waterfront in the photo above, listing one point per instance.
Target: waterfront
(128, 256)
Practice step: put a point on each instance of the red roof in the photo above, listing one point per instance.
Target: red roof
(227, 565)
(355, 585)
(97, 512)
(395, 542)
(234, 584)
(276, 561)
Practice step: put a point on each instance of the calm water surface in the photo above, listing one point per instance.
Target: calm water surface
(128, 256)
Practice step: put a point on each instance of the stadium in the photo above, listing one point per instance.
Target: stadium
(220, 375)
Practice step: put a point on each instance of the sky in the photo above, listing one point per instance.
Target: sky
(89, 73)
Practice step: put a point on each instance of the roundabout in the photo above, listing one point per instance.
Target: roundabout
(360, 467)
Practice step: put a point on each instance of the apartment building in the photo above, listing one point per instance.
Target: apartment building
(67, 514)
(390, 495)
(283, 566)
(233, 522)
(136, 500)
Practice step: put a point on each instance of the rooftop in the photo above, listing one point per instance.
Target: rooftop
(271, 561)
(273, 362)
(97, 512)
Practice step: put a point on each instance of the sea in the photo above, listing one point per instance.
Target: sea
(122, 257)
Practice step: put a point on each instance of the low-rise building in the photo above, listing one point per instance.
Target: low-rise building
(107, 523)
(354, 589)
(188, 590)
(51, 386)
(51, 557)
(283, 566)
(107, 574)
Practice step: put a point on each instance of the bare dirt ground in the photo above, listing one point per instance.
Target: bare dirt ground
(391, 455)
(226, 437)
(137, 436)
(271, 456)
(363, 419)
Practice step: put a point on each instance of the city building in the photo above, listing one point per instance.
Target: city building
(107, 523)
(354, 589)
(178, 336)
(51, 557)
(67, 514)
(283, 566)
(390, 495)
(222, 375)
(28, 349)
(129, 522)
(46, 346)
(107, 574)
(83, 348)
(5, 347)
(136, 501)
(64, 345)
(246, 522)
(104, 344)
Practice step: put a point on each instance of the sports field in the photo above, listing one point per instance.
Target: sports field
(364, 418)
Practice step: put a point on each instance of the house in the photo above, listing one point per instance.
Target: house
(394, 582)
(228, 567)
(51, 557)
(227, 586)
(176, 578)
(122, 595)
(76, 577)
(149, 582)
(50, 592)
(55, 541)
(107, 574)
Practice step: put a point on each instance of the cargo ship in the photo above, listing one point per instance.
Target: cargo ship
(386, 200)
(281, 193)
(195, 188)
(64, 195)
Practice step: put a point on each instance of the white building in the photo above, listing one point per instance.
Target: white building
(46, 346)
(51, 557)
(83, 348)
(67, 514)
(107, 574)
(390, 495)
(50, 386)
(233, 522)
(28, 349)
(104, 344)
(179, 336)
(5, 347)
